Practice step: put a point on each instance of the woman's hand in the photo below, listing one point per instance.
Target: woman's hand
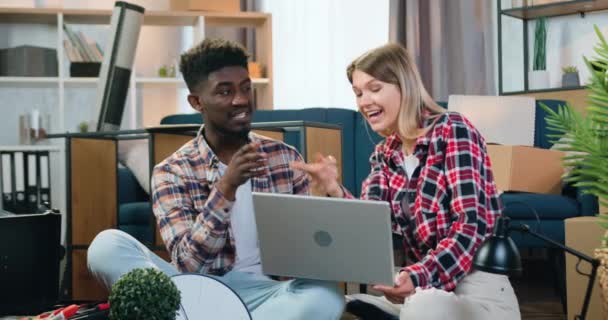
(323, 174)
(403, 288)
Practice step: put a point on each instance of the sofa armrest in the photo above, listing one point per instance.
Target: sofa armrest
(129, 189)
(588, 203)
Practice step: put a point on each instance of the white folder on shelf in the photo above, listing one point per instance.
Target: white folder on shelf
(7, 182)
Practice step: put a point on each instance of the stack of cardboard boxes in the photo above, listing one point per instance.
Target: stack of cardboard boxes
(529, 169)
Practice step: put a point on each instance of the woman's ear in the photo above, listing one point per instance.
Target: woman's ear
(195, 102)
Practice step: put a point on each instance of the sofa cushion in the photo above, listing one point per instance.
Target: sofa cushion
(139, 213)
(540, 125)
(553, 229)
(134, 155)
(520, 205)
(143, 233)
(129, 189)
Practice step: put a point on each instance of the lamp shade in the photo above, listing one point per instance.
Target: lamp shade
(498, 253)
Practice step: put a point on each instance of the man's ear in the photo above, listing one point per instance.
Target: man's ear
(195, 102)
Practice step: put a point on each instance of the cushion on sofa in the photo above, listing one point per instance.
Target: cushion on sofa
(140, 232)
(129, 189)
(540, 126)
(520, 205)
(135, 213)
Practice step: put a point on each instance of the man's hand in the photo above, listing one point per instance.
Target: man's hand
(323, 174)
(245, 164)
(403, 288)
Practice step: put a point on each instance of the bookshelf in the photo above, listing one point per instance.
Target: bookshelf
(136, 108)
(70, 100)
(522, 16)
(557, 8)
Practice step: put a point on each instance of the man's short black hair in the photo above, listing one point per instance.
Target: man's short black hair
(210, 55)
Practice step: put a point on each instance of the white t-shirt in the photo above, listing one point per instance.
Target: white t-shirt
(244, 230)
(410, 163)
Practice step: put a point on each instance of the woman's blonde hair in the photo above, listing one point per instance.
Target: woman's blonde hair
(393, 64)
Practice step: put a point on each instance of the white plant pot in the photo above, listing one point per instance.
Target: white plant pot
(538, 79)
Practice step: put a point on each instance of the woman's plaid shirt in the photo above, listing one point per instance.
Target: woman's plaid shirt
(194, 216)
(447, 208)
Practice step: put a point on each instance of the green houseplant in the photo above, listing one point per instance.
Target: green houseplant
(570, 77)
(585, 139)
(144, 294)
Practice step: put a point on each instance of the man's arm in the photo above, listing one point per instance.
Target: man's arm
(193, 238)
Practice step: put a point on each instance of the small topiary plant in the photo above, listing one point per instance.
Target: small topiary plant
(144, 294)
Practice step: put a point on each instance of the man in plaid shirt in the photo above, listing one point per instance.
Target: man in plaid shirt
(202, 197)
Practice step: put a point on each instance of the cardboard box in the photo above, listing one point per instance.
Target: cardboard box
(582, 234)
(206, 5)
(527, 169)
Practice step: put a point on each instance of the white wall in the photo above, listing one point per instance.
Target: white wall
(314, 41)
(569, 38)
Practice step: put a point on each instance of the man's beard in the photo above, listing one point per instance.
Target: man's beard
(242, 133)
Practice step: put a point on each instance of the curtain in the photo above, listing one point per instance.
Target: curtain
(452, 42)
(313, 41)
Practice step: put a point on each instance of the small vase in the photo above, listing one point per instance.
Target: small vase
(570, 80)
(538, 79)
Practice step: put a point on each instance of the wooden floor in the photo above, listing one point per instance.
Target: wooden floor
(537, 293)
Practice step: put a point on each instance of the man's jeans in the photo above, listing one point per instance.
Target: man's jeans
(114, 253)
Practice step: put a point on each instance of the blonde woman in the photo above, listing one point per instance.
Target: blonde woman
(434, 170)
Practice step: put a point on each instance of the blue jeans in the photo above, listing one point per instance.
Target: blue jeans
(114, 253)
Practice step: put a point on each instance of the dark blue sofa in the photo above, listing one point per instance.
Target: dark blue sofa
(358, 143)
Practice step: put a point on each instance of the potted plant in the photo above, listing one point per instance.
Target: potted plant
(570, 77)
(83, 127)
(538, 78)
(144, 294)
(586, 141)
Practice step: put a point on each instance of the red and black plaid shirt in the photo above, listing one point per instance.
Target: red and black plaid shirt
(449, 205)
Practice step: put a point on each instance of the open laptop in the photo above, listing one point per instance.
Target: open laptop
(324, 238)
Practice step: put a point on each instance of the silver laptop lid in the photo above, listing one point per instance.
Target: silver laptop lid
(325, 238)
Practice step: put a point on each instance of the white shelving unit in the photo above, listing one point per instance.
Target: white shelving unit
(136, 109)
(70, 100)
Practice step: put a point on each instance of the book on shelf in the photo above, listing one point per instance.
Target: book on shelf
(80, 48)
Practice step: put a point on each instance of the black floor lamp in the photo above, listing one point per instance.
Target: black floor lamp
(498, 254)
